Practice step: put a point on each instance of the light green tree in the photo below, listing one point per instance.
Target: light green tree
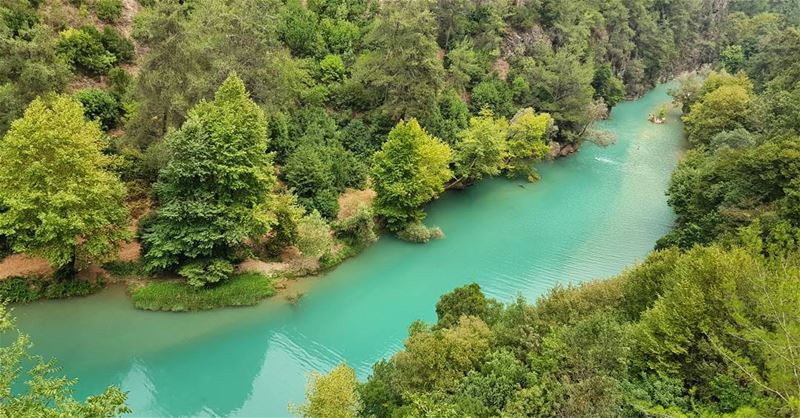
(482, 149)
(214, 196)
(408, 171)
(724, 109)
(62, 202)
(45, 395)
(334, 395)
(527, 140)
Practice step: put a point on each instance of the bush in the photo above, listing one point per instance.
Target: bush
(117, 44)
(314, 237)
(240, 290)
(358, 229)
(417, 232)
(108, 10)
(18, 289)
(101, 106)
(84, 52)
(202, 272)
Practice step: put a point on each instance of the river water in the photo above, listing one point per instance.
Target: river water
(590, 216)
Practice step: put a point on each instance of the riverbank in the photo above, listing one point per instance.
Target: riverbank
(591, 216)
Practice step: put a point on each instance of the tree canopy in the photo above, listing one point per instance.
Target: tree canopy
(61, 198)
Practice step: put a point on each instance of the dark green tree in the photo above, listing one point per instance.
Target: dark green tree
(213, 194)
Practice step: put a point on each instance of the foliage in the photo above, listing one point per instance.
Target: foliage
(213, 198)
(527, 140)
(314, 235)
(287, 215)
(357, 229)
(61, 199)
(18, 289)
(683, 332)
(121, 268)
(495, 95)
(84, 52)
(333, 395)
(418, 232)
(402, 66)
(108, 10)
(318, 174)
(29, 67)
(608, 86)
(724, 109)
(408, 171)
(201, 272)
(482, 149)
(101, 106)
(44, 394)
(243, 289)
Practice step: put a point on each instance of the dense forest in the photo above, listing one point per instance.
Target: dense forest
(212, 131)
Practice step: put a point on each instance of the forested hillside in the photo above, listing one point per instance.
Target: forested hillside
(460, 89)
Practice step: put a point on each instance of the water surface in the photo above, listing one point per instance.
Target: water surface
(592, 215)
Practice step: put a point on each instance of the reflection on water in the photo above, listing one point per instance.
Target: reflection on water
(592, 214)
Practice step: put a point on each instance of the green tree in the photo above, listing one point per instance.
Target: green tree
(408, 171)
(608, 86)
(29, 67)
(403, 66)
(724, 109)
(527, 140)
(61, 199)
(213, 195)
(482, 149)
(45, 395)
(463, 301)
(333, 395)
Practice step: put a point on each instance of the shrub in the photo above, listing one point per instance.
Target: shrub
(117, 44)
(202, 272)
(359, 228)
(331, 69)
(101, 106)
(314, 237)
(240, 290)
(84, 52)
(18, 289)
(418, 232)
(108, 10)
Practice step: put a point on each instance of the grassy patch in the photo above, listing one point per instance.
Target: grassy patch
(19, 289)
(172, 295)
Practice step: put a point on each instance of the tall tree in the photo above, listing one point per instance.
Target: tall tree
(61, 198)
(403, 64)
(213, 194)
(408, 171)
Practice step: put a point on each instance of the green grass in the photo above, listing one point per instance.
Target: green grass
(172, 295)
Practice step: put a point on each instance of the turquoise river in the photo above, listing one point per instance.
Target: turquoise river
(591, 215)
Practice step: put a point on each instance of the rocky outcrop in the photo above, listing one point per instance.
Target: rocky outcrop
(558, 149)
